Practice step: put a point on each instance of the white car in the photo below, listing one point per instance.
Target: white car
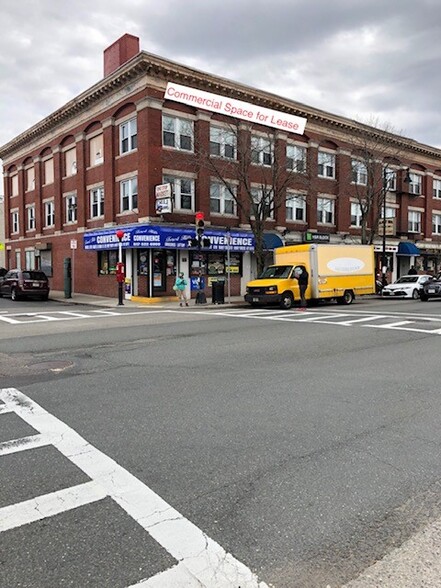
(406, 287)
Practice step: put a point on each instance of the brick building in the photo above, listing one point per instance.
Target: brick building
(113, 156)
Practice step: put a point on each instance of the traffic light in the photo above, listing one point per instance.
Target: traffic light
(200, 224)
(199, 240)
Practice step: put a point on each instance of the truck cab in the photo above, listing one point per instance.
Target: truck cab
(276, 285)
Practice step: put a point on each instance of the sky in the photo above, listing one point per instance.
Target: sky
(362, 59)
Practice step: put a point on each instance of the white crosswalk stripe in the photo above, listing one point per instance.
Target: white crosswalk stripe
(203, 563)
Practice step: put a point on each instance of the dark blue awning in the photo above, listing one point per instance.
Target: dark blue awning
(271, 241)
(408, 249)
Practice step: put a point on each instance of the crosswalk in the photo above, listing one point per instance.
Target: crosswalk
(429, 324)
(200, 561)
(395, 321)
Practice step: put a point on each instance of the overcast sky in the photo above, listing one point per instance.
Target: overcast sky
(362, 59)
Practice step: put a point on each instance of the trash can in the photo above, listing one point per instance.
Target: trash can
(218, 292)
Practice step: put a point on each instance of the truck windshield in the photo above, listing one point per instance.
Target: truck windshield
(276, 271)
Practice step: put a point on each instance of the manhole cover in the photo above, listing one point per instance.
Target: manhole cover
(53, 366)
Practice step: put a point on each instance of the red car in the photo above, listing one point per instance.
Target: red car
(25, 284)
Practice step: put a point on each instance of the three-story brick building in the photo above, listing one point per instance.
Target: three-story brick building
(119, 153)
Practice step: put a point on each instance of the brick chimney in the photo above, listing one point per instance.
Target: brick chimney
(120, 52)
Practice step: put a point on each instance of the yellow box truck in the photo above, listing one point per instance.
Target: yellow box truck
(336, 272)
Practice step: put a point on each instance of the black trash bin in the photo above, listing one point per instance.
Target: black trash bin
(218, 292)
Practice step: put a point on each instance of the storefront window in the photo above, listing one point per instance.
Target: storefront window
(215, 264)
(198, 263)
(107, 261)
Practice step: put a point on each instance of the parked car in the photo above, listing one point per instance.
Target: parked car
(431, 289)
(25, 284)
(3, 272)
(406, 287)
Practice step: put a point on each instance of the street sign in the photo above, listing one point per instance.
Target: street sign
(164, 200)
(2, 246)
(163, 205)
(316, 237)
(73, 244)
(389, 226)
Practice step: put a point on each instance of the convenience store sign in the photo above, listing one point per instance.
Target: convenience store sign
(235, 108)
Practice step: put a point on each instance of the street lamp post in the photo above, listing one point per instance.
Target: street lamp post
(228, 235)
(407, 180)
(383, 256)
(120, 268)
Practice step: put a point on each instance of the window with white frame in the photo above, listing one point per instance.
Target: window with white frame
(129, 194)
(30, 218)
(221, 198)
(177, 133)
(416, 184)
(296, 158)
(436, 188)
(71, 208)
(97, 202)
(128, 137)
(262, 150)
(49, 214)
(326, 164)
(359, 172)
(325, 211)
(14, 221)
(390, 179)
(390, 212)
(30, 259)
(414, 221)
(436, 223)
(295, 207)
(263, 202)
(355, 214)
(223, 142)
(182, 190)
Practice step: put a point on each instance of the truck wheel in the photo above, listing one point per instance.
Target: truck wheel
(424, 297)
(347, 298)
(415, 294)
(286, 301)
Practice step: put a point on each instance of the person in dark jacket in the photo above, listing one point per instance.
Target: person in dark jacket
(302, 277)
(413, 271)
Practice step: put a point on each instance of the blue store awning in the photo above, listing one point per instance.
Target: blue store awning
(271, 241)
(408, 249)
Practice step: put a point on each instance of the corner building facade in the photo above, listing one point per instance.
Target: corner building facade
(94, 167)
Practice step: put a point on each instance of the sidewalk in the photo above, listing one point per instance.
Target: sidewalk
(138, 301)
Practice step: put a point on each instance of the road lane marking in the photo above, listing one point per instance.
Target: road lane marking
(16, 445)
(49, 505)
(363, 319)
(203, 558)
(9, 320)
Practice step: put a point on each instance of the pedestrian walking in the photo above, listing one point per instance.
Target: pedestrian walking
(179, 288)
(413, 271)
(302, 277)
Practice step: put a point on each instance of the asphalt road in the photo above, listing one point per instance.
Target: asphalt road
(308, 449)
